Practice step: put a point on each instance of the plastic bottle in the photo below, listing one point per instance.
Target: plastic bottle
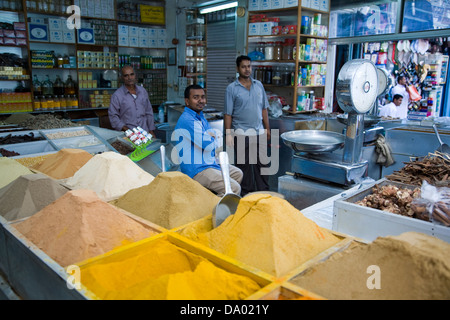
(69, 86)
(37, 87)
(312, 99)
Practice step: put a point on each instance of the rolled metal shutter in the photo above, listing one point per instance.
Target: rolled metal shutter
(221, 61)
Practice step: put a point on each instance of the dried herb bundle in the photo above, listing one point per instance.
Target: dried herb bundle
(434, 168)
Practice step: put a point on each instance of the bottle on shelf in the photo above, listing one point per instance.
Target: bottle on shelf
(74, 101)
(62, 102)
(37, 86)
(47, 86)
(56, 103)
(69, 87)
(58, 86)
(50, 103)
(43, 101)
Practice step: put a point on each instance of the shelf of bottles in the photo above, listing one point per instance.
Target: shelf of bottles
(54, 94)
(195, 48)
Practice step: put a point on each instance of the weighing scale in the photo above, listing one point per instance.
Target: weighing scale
(317, 155)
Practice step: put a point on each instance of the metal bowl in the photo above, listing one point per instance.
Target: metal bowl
(369, 120)
(313, 141)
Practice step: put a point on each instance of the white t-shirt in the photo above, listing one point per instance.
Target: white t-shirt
(388, 110)
(402, 110)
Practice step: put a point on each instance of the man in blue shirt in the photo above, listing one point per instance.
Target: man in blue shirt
(247, 129)
(196, 145)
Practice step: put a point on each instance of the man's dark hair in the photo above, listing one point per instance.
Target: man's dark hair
(397, 96)
(400, 77)
(187, 91)
(240, 59)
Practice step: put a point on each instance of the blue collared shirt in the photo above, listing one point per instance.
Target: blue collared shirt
(125, 110)
(195, 145)
(245, 106)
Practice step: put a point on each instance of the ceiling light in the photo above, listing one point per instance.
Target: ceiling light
(219, 7)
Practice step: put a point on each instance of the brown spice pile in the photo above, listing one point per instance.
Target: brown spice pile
(64, 163)
(412, 266)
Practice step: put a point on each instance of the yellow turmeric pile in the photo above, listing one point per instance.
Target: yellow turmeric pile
(268, 233)
(160, 270)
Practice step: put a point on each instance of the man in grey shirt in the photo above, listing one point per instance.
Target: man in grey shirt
(246, 113)
(130, 106)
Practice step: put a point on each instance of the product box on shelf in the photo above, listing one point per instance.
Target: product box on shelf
(277, 4)
(324, 5)
(254, 29)
(143, 42)
(153, 43)
(123, 30)
(306, 3)
(56, 36)
(133, 31)
(86, 36)
(133, 41)
(152, 33)
(55, 24)
(290, 3)
(38, 32)
(123, 41)
(266, 4)
(254, 5)
(143, 33)
(315, 4)
(68, 35)
(161, 34)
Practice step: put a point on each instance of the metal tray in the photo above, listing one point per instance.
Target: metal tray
(313, 141)
(368, 223)
(369, 120)
(33, 147)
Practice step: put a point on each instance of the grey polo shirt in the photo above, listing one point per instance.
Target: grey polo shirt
(245, 106)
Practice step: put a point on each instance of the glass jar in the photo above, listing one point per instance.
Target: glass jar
(62, 102)
(190, 66)
(268, 51)
(276, 77)
(189, 51)
(260, 47)
(200, 50)
(190, 80)
(56, 103)
(278, 51)
(259, 73)
(74, 102)
(200, 65)
(268, 75)
(287, 51)
(286, 77)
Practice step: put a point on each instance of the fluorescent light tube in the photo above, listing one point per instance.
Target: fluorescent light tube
(219, 7)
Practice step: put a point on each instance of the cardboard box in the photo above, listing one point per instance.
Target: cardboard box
(254, 5)
(143, 33)
(123, 30)
(315, 4)
(143, 42)
(290, 3)
(153, 43)
(123, 41)
(68, 35)
(161, 34)
(133, 41)
(55, 24)
(266, 4)
(277, 4)
(38, 32)
(161, 43)
(133, 31)
(86, 36)
(266, 28)
(306, 3)
(152, 33)
(254, 29)
(325, 5)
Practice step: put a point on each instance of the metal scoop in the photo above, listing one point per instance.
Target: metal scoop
(444, 148)
(229, 202)
(163, 158)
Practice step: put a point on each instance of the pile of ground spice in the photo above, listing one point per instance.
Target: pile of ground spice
(78, 226)
(10, 170)
(64, 163)
(409, 266)
(111, 175)
(171, 200)
(27, 195)
(163, 271)
(268, 233)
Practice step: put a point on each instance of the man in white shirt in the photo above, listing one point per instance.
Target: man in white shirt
(390, 109)
(402, 89)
